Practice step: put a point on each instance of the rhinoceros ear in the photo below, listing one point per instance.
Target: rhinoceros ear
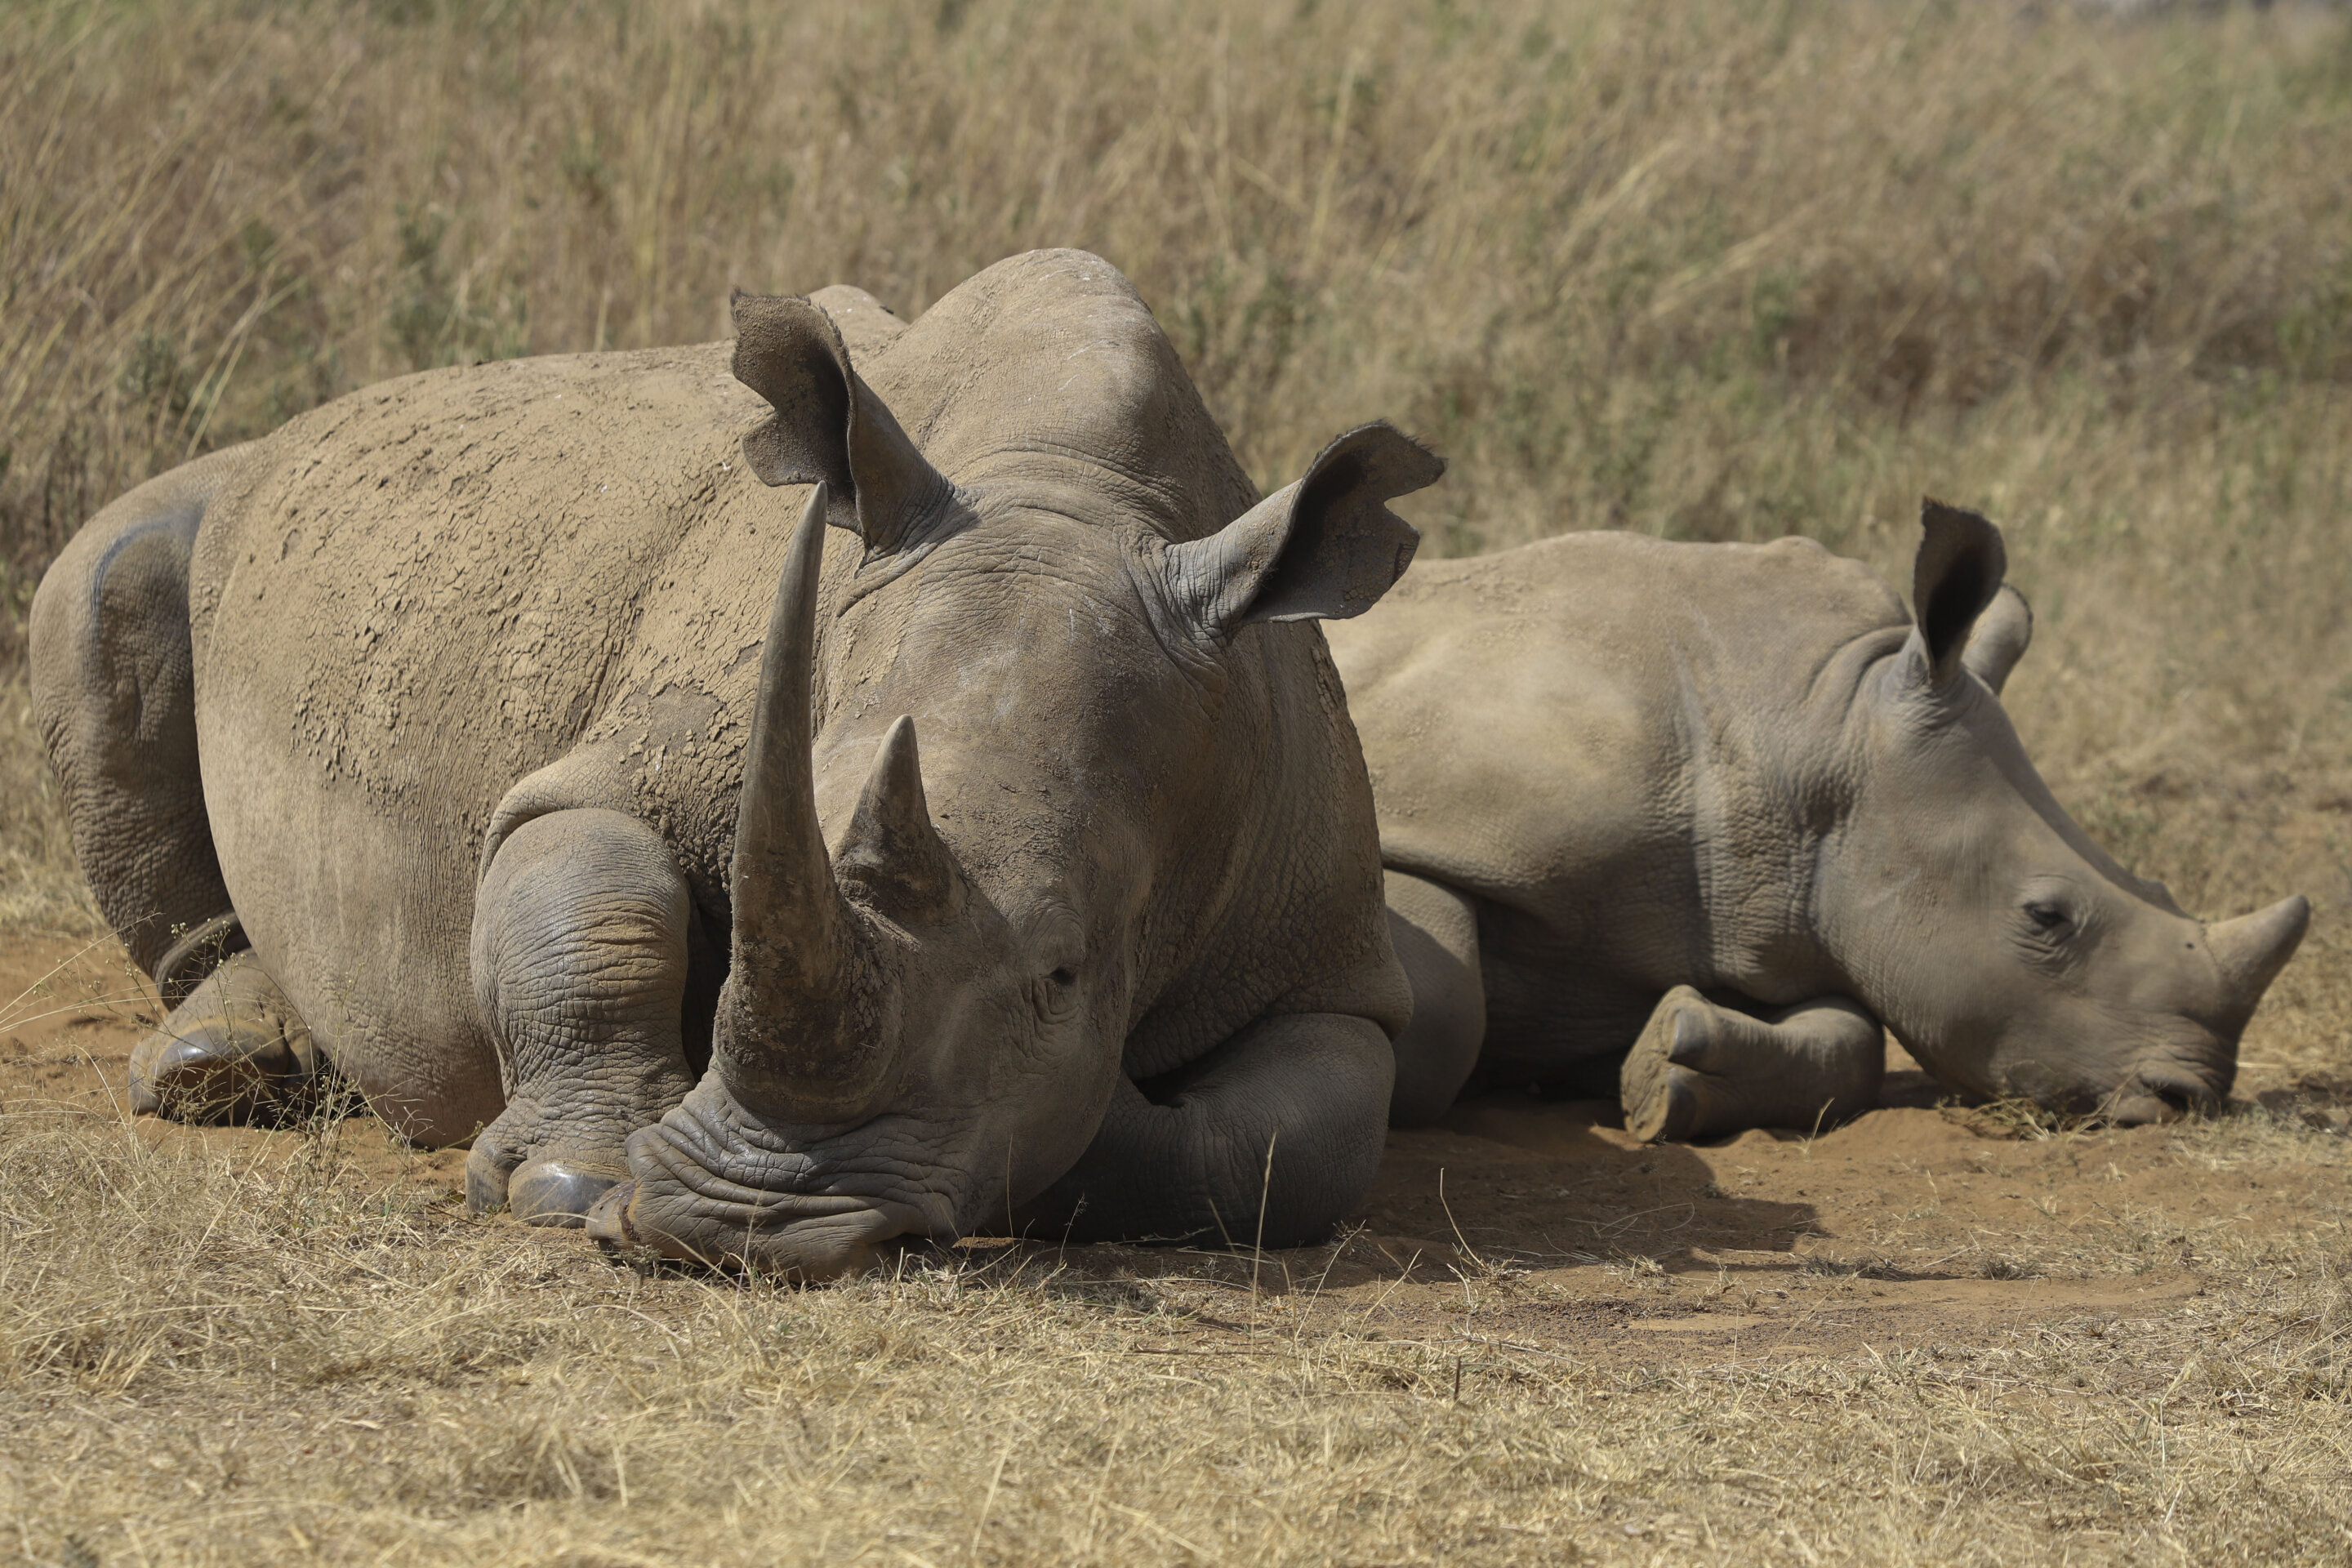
(1325, 548)
(2000, 640)
(1956, 575)
(829, 426)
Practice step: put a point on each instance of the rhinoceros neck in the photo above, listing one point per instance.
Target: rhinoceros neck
(1763, 738)
(1286, 915)
(1632, 746)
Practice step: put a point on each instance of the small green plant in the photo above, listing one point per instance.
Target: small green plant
(436, 318)
(157, 378)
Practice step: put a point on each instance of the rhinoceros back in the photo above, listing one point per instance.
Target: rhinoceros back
(1589, 734)
(412, 598)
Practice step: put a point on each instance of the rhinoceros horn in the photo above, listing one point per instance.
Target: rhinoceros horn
(892, 853)
(802, 1031)
(2250, 950)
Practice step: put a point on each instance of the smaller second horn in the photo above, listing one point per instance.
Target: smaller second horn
(892, 852)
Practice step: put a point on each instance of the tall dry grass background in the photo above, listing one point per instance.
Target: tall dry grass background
(1711, 269)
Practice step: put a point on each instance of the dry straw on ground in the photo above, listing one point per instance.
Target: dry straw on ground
(1705, 268)
(206, 1362)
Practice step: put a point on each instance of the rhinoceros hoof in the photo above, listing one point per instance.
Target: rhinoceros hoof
(232, 1053)
(1667, 1096)
(557, 1188)
(1661, 1099)
(557, 1192)
(1700, 1070)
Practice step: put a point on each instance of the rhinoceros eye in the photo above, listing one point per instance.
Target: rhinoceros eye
(1055, 994)
(2050, 920)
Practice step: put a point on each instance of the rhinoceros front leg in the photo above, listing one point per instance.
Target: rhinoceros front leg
(1435, 933)
(1700, 1069)
(1286, 1121)
(580, 963)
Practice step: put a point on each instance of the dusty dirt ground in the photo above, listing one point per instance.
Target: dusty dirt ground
(1935, 1335)
(1923, 1224)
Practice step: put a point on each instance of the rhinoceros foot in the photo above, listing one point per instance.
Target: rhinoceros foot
(540, 1170)
(1662, 1099)
(233, 1052)
(556, 1191)
(1702, 1070)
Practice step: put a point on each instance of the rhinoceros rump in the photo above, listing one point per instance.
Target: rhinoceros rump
(472, 701)
(1691, 820)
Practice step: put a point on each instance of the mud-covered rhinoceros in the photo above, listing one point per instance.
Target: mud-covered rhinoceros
(533, 765)
(1693, 821)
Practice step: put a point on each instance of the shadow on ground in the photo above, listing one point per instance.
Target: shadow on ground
(1544, 1226)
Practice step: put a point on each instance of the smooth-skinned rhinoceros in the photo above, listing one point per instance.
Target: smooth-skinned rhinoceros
(1693, 821)
(559, 785)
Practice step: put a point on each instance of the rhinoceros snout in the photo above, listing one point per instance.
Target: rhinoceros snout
(851, 1239)
(2163, 1083)
(2165, 1091)
(715, 1184)
(2138, 1103)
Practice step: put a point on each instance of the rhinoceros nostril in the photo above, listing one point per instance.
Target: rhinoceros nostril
(2164, 1094)
(2181, 1094)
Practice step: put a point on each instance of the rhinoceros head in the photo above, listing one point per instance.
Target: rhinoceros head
(1019, 784)
(2007, 951)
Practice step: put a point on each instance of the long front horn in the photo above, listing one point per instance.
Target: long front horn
(797, 1036)
(2250, 950)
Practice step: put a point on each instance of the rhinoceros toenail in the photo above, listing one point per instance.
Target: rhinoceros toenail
(551, 1193)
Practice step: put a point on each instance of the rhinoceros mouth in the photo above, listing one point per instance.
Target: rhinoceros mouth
(805, 1243)
(713, 1184)
(2153, 1094)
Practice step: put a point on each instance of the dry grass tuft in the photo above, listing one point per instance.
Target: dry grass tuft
(1708, 267)
(40, 888)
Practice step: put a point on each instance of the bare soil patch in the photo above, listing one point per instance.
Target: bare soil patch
(79, 1005)
(1935, 1334)
(1907, 1228)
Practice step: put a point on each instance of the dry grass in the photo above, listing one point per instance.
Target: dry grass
(1706, 268)
(40, 888)
(210, 1359)
(1711, 267)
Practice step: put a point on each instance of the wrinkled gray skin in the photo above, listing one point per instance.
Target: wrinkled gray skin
(1690, 821)
(564, 777)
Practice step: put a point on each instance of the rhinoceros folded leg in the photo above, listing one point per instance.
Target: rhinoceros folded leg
(580, 963)
(1435, 933)
(1274, 1136)
(233, 1051)
(1701, 1069)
